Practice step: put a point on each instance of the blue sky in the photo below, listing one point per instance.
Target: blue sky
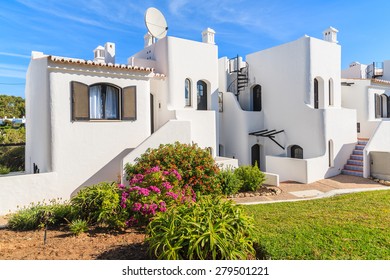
(73, 28)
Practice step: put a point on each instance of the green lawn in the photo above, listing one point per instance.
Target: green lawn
(354, 226)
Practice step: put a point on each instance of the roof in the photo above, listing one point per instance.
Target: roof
(67, 60)
(379, 81)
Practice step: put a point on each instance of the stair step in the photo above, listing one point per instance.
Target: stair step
(357, 157)
(360, 147)
(351, 172)
(355, 162)
(353, 167)
(362, 142)
(357, 152)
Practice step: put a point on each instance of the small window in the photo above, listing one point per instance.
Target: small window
(202, 95)
(331, 94)
(296, 152)
(220, 102)
(377, 106)
(330, 153)
(316, 101)
(80, 107)
(187, 92)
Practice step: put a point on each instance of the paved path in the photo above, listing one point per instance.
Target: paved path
(292, 191)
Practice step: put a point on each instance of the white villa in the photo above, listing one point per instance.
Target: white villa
(286, 108)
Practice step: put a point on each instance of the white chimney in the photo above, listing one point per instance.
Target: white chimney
(109, 53)
(148, 40)
(98, 54)
(330, 35)
(208, 36)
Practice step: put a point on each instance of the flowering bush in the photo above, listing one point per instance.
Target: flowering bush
(153, 192)
(196, 165)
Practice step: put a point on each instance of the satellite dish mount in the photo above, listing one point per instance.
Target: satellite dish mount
(155, 23)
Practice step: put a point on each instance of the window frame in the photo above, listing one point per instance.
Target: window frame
(80, 93)
(188, 92)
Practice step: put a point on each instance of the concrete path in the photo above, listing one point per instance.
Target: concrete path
(292, 191)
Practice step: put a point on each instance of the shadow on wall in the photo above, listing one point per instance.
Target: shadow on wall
(112, 171)
(340, 160)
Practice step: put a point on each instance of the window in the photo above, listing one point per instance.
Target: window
(256, 98)
(331, 96)
(315, 94)
(220, 102)
(202, 95)
(103, 102)
(382, 106)
(187, 92)
(296, 152)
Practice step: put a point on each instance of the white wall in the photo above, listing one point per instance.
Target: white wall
(379, 142)
(38, 145)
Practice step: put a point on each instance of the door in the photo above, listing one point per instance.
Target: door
(255, 155)
(202, 95)
(256, 98)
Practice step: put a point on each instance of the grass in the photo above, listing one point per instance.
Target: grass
(347, 227)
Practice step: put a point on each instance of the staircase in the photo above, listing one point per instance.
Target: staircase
(242, 77)
(354, 165)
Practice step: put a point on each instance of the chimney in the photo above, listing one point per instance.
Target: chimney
(109, 53)
(148, 40)
(98, 54)
(330, 35)
(208, 36)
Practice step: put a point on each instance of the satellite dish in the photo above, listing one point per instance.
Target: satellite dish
(155, 23)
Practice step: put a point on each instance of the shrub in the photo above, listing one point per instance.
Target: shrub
(152, 192)
(230, 183)
(99, 204)
(209, 229)
(251, 176)
(13, 158)
(38, 215)
(4, 170)
(196, 165)
(78, 226)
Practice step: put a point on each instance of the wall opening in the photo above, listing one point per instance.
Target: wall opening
(202, 95)
(256, 98)
(331, 153)
(296, 152)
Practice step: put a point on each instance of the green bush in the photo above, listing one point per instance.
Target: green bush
(230, 183)
(38, 215)
(4, 170)
(196, 165)
(152, 192)
(99, 204)
(251, 176)
(13, 158)
(209, 229)
(78, 226)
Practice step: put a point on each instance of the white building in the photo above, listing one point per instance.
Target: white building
(86, 119)
(366, 88)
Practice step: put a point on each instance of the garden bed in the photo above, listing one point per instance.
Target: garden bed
(62, 245)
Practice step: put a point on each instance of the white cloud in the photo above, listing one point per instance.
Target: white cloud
(14, 55)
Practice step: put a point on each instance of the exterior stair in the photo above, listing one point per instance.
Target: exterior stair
(354, 164)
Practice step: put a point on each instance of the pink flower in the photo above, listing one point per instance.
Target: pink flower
(176, 174)
(121, 186)
(137, 179)
(167, 185)
(143, 191)
(162, 206)
(153, 170)
(137, 206)
(154, 189)
(172, 194)
(131, 222)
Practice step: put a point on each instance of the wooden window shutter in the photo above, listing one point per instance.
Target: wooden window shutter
(80, 104)
(129, 103)
(377, 106)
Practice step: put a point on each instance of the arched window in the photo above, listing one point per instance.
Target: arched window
(103, 102)
(316, 101)
(202, 95)
(256, 98)
(331, 94)
(331, 153)
(187, 93)
(296, 152)
(378, 106)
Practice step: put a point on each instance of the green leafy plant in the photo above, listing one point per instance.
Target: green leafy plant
(78, 226)
(4, 170)
(38, 215)
(13, 158)
(251, 176)
(152, 192)
(230, 183)
(196, 165)
(99, 204)
(209, 229)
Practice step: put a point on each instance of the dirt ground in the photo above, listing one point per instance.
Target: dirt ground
(62, 245)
